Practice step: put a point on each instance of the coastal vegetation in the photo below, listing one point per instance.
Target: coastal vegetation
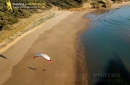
(10, 17)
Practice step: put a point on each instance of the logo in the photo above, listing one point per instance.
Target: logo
(9, 6)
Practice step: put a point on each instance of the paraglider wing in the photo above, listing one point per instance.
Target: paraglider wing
(44, 56)
(37, 55)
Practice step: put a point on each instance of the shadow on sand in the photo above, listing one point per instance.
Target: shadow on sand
(3, 56)
(32, 68)
(118, 73)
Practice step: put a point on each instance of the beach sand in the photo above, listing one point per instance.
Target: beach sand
(59, 42)
(16, 50)
(58, 38)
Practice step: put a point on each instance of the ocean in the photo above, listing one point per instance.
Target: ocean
(107, 45)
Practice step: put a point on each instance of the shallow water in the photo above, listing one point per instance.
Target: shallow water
(107, 43)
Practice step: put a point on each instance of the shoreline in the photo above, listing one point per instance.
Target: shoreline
(98, 11)
(81, 72)
(43, 33)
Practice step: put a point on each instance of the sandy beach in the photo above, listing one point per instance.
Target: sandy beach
(58, 38)
(59, 43)
(16, 50)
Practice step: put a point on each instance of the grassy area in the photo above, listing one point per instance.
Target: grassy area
(24, 25)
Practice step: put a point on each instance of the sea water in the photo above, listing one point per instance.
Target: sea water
(107, 44)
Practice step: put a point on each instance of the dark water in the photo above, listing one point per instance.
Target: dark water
(107, 44)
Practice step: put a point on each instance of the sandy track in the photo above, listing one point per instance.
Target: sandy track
(20, 46)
